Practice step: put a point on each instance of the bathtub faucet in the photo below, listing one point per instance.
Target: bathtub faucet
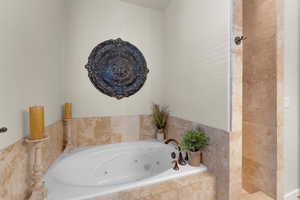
(180, 160)
(174, 141)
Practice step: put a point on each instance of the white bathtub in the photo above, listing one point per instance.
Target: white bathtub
(95, 171)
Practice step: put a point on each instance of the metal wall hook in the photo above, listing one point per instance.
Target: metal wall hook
(238, 40)
(3, 130)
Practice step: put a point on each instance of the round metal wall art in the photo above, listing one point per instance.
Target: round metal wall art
(117, 68)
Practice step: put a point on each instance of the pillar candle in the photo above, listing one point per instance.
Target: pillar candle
(68, 111)
(37, 122)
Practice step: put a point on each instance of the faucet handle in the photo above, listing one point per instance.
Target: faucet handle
(3, 130)
(173, 155)
(186, 158)
(176, 167)
(181, 161)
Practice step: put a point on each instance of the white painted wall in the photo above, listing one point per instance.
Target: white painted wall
(35, 45)
(197, 60)
(92, 22)
(156, 4)
(189, 61)
(30, 62)
(292, 93)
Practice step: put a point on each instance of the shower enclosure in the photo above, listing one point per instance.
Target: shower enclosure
(257, 95)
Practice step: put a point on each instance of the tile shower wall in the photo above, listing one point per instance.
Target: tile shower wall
(235, 158)
(260, 96)
(15, 163)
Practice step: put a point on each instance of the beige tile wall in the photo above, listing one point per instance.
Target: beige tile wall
(200, 186)
(261, 93)
(106, 130)
(15, 163)
(235, 144)
(216, 157)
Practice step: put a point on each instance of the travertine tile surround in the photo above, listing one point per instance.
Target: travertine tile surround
(262, 97)
(106, 130)
(15, 163)
(200, 186)
(255, 196)
(216, 157)
(235, 141)
(263, 73)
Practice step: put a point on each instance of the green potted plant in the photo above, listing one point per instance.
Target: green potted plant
(194, 142)
(160, 115)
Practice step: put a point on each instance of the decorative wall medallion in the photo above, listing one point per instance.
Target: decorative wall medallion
(117, 68)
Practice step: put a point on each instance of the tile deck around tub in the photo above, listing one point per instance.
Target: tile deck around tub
(200, 186)
(256, 196)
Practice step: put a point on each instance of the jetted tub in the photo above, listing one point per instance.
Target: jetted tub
(95, 171)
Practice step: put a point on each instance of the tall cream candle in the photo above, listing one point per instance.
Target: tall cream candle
(68, 111)
(37, 122)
